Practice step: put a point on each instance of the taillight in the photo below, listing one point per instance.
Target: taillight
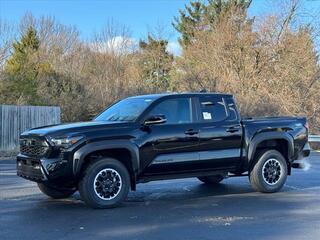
(306, 125)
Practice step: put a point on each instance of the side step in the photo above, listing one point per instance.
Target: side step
(245, 174)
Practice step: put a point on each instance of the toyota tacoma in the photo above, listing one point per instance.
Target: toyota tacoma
(161, 136)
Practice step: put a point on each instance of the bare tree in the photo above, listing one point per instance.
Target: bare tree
(271, 67)
(111, 58)
(114, 38)
(269, 62)
(7, 35)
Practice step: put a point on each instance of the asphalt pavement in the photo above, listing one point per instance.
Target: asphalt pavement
(175, 209)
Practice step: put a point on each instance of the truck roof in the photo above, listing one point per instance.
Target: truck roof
(186, 94)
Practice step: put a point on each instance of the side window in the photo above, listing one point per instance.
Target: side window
(175, 110)
(232, 110)
(212, 109)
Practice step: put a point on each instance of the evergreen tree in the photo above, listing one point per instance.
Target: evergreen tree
(156, 62)
(22, 69)
(202, 16)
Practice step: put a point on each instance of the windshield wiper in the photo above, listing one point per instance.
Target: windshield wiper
(120, 118)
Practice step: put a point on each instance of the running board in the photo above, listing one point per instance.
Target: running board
(245, 174)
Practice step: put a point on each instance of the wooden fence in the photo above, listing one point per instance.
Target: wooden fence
(16, 119)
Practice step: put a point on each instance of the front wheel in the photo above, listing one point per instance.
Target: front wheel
(105, 184)
(269, 174)
(56, 192)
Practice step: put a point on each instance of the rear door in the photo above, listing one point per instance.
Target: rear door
(220, 132)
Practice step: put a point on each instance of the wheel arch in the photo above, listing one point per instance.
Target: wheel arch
(280, 141)
(121, 150)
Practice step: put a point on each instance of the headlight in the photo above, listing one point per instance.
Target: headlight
(65, 142)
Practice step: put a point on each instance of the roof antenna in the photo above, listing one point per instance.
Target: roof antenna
(203, 90)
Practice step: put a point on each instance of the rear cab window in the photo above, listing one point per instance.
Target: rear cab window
(213, 109)
(217, 108)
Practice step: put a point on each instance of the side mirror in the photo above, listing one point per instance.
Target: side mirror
(155, 119)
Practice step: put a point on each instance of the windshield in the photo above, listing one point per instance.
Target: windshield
(126, 110)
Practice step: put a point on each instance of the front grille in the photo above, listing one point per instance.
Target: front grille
(33, 147)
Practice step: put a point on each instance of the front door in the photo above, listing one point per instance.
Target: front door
(172, 146)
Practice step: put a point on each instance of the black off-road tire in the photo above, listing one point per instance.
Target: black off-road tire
(215, 179)
(259, 176)
(55, 192)
(90, 192)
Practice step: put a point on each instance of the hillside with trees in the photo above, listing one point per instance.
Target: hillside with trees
(270, 63)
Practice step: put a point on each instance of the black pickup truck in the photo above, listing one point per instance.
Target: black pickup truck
(161, 136)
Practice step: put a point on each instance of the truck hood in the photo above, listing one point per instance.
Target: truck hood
(78, 127)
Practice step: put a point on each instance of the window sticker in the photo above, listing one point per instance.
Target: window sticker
(206, 115)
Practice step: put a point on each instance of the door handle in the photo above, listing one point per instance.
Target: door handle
(233, 129)
(191, 132)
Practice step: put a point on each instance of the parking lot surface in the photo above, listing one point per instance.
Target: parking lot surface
(175, 209)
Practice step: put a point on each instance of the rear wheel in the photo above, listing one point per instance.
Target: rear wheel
(215, 179)
(270, 172)
(105, 184)
(55, 192)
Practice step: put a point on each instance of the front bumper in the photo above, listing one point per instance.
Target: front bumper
(30, 169)
(43, 169)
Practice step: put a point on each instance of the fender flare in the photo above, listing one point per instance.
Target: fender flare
(270, 136)
(80, 154)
